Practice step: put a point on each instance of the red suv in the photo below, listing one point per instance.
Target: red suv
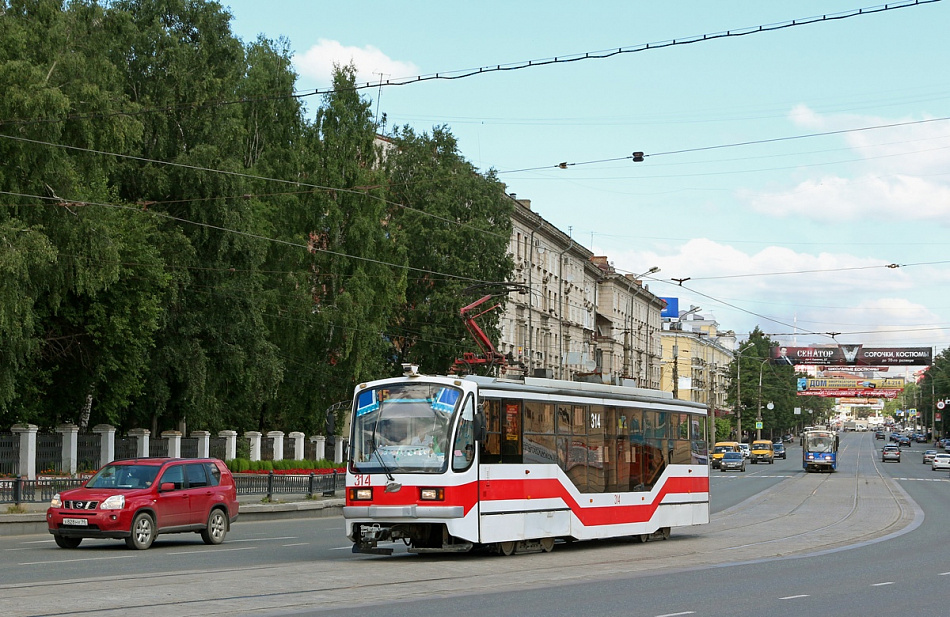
(137, 499)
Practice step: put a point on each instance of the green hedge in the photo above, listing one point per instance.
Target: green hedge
(239, 465)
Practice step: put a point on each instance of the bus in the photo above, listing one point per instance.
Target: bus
(820, 450)
(510, 465)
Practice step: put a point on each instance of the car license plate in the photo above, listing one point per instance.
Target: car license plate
(81, 522)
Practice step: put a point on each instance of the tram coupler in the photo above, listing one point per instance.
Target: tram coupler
(370, 549)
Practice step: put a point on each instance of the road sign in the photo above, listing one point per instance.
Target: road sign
(758, 426)
(941, 404)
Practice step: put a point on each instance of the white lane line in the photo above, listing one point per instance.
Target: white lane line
(882, 584)
(677, 614)
(263, 539)
(801, 595)
(38, 563)
(943, 574)
(217, 550)
(297, 544)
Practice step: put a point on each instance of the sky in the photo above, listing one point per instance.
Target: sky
(794, 179)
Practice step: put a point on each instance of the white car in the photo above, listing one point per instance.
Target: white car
(746, 450)
(941, 461)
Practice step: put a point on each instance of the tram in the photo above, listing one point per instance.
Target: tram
(454, 464)
(820, 450)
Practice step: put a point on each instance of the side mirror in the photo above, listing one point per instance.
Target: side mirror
(166, 486)
(481, 431)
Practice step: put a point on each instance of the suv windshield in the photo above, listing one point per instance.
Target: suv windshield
(124, 476)
(403, 428)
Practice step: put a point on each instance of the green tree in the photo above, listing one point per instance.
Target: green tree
(456, 225)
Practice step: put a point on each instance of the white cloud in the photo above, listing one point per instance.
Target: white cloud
(317, 62)
(901, 173)
(783, 291)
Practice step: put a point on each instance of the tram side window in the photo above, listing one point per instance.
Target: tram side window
(572, 443)
(597, 456)
(539, 444)
(463, 453)
(680, 443)
(617, 444)
(491, 447)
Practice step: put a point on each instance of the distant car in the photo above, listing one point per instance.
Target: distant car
(929, 456)
(138, 499)
(903, 440)
(735, 461)
(778, 448)
(746, 450)
(941, 461)
(879, 435)
(891, 452)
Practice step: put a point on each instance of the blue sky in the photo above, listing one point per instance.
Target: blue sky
(793, 234)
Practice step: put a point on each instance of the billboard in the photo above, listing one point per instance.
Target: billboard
(672, 309)
(839, 387)
(852, 355)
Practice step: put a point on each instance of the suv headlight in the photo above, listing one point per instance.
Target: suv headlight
(56, 502)
(115, 502)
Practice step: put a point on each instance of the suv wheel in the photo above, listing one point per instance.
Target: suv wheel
(64, 542)
(216, 529)
(143, 532)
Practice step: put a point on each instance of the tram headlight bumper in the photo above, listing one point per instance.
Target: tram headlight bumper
(432, 494)
(361, 494)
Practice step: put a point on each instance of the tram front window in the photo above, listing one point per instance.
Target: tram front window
(403, 428)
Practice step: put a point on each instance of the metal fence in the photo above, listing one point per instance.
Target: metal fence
(19, 490)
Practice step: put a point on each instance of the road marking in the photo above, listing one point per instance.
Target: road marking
(943, 574)
(264, 539)
(297, 544)
(882, 584)
(217, 550)
(37, 563)
(802, 595)
(677, 614)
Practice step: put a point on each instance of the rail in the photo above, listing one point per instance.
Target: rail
(20, 490)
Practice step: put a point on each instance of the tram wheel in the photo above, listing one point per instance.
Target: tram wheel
(547, 544)
(665, 533)
(642, 538)
(506, 548)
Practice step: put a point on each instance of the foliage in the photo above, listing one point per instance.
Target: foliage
(181, 243)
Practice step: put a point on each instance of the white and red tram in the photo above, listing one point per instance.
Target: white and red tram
(454, 463)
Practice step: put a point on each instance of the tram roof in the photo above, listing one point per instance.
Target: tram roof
(581, 388)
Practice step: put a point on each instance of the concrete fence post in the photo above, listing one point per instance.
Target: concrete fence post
(106, 434)
(27, 433)
(70, 436)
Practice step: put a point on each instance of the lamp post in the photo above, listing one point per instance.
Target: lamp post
(738, 388)
(758, 415)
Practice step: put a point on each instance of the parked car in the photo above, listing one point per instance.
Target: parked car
(941, 461)
(778, 449)
(929, 456)
(745, 449)
(891, 452)
(138, 499)
(734, 461)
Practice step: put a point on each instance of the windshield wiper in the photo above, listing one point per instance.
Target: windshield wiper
(392, 486)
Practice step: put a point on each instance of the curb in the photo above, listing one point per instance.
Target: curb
(35, 522)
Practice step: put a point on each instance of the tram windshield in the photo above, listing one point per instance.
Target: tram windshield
(819, 442)
(403, 428)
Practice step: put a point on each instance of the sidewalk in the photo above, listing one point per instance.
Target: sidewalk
(252, 508)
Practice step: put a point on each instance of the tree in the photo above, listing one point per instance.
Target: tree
(456, 225)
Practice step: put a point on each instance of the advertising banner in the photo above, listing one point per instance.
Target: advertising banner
(852, 393)
(853, 355)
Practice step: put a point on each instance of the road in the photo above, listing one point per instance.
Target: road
(865, 540)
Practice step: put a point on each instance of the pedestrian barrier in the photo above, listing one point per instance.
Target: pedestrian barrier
(20, 490)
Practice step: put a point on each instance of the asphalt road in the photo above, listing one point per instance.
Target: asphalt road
(866, 540)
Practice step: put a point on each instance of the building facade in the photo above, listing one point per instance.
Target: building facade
(578, 318)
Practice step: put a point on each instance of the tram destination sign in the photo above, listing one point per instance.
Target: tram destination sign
(853, 355)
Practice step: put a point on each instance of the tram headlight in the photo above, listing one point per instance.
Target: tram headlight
(361, 494)
(432, 494)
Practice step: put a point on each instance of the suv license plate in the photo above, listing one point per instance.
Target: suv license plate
(81, 522)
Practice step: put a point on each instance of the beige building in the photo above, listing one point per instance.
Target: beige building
(696, 357)
(580, 319)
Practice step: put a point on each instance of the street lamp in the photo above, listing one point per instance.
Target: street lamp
(738, 389)
(652, 270)
(758, 415)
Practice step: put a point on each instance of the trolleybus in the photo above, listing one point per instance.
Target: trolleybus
(820, 450)
(451, 464)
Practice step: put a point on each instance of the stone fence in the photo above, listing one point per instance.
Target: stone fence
(27, 453)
